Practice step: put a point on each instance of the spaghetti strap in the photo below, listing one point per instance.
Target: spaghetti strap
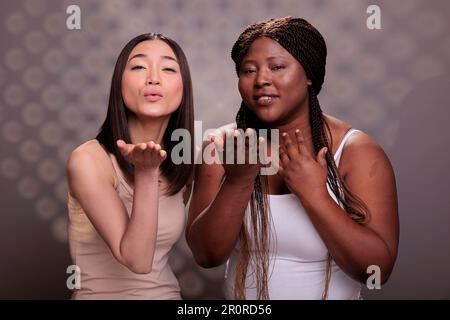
(119, 175)
(338, 154)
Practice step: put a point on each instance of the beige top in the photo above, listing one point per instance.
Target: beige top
(102, 276)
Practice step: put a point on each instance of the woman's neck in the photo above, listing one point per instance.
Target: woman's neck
(300, 124)
(146, 130)
(298, 121)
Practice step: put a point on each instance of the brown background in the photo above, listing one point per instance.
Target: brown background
(392, 83)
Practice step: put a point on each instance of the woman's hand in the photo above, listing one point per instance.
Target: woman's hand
(304, 174)
(244, 163)
(144, 156)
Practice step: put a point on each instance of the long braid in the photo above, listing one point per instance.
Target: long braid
(256, 245)
(357, 211)
(320, 140)
(307, 45)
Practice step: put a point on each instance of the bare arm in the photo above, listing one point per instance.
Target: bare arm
(131, 240)
(368, 174)
(216, 212)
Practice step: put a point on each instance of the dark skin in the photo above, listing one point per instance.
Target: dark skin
(216, 213)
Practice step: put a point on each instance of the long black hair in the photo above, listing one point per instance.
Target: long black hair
(115, 125)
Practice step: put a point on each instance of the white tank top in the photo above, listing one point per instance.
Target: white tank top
(298, 255)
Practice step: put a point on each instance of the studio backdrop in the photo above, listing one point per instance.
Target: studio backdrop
(392, 82)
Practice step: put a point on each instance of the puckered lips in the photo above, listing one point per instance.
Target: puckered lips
(265, 98)
(152, 95)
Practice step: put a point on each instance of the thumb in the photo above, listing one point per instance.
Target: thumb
(123, 147)
(120, 144)
(321, 157)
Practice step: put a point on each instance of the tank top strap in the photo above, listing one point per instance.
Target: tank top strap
(338, 154)
(118, 172)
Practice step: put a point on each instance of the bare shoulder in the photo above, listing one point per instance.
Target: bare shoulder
(90, 159)
(338, 130)
(90, 152)
(364, 152)
(361, 143)
(361, 153)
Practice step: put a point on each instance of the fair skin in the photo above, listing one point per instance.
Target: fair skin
(216, 214)
(152, 90)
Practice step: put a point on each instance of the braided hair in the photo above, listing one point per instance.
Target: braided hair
(307, 46)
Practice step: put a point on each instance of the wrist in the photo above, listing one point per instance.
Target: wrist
(146, 173)
(242, 182)
(314, 197)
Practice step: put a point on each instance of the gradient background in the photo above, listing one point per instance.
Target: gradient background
(54, 84)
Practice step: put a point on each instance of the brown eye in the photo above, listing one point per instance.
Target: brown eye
(278, 67)
(247, 71)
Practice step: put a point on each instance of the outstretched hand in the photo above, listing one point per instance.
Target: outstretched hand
(242, 164)
(144, 156)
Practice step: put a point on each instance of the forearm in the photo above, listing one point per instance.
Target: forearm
(139, 240)
(353, 246)
(214, 233)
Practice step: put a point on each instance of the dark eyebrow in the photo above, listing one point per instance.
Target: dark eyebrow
(269, 58)
(169, 58)
(141, 55)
